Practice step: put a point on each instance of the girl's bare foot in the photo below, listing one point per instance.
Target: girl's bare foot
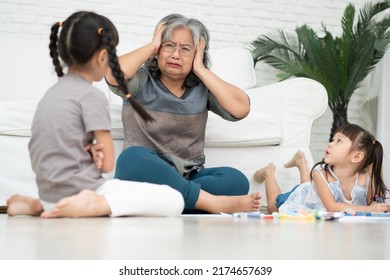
(297, 159)
(261, 173)
(228, 204)
(84, 204)
(23, 205)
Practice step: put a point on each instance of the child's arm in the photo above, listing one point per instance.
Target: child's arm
(331, 205)
(104, 138)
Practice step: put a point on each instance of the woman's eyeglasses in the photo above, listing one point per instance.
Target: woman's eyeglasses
(169, 47)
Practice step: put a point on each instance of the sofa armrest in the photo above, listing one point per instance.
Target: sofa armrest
(298, 101)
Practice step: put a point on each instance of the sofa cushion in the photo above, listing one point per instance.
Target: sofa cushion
(33, 60)
(246, 132)
(234, 65)
(16, 119)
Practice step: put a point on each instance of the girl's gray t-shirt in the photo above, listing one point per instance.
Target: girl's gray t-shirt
(64, 122)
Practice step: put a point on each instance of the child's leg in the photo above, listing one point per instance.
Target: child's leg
(260, 174)
(129, 198)
(23, 205)
(299, 161)
(272, 189)
(120, 198)
(84, 204)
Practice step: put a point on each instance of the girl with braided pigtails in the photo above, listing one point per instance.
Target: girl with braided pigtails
(71, 144)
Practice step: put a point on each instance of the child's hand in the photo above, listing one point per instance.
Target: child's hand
(379, 207)
(96, 153)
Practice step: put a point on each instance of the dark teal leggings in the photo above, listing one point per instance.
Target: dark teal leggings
(143, 165)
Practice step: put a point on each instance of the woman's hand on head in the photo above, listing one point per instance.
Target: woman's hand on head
(199, 54)
(157, 36)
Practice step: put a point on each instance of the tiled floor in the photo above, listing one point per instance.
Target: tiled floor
(190, 237)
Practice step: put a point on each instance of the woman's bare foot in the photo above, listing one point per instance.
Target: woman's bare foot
(23, 205)
(297, 159)
(84, 204)
(228, 204)
(261, 173)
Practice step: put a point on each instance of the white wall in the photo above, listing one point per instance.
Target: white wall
(231, 23)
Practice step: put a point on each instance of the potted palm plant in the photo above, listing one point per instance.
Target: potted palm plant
(339, 63)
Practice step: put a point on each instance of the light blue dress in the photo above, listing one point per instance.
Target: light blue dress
(305, 196)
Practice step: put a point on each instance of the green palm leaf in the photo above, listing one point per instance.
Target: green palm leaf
(339, 63)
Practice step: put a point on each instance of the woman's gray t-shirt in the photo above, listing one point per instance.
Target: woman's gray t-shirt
(178, 134)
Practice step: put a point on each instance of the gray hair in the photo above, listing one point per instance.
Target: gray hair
(197, 29)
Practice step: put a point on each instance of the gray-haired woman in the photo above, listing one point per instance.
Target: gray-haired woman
(171, 79)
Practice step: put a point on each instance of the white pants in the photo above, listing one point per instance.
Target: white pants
(128, 198)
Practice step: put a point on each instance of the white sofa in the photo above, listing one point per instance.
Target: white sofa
(279, 122)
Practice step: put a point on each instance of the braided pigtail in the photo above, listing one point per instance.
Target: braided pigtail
(118, 74)
(54, 50)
